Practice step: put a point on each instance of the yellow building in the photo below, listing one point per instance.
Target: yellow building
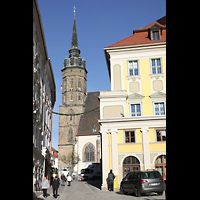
(133, 112)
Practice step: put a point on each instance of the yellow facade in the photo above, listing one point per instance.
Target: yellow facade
(132, 133)
(146, 87)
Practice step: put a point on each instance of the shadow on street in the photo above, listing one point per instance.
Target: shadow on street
(95, 183)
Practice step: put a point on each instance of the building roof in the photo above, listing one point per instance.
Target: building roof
(74, 43)
(90, 120)
(54, 152)
(140, 36)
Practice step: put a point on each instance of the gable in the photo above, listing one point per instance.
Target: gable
(158, 95)
(155, 26)
(135, 96)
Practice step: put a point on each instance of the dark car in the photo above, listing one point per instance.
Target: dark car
(142, 182)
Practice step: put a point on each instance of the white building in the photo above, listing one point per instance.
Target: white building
(44, 97)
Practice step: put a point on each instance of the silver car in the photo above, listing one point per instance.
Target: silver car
(141, 182)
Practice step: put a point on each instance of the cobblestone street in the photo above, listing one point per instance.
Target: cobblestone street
(83, 190)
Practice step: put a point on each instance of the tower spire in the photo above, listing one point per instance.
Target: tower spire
(74, 50)
(74, 59)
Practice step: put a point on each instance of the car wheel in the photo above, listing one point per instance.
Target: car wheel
(122, 190)
(137, 192)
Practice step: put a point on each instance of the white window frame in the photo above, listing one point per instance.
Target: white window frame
(156, 66)
(133, 67)
(135, 110)
(159, 108)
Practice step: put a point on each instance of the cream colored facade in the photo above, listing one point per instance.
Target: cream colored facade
(44, 97)
(147, 90)
(81, 143)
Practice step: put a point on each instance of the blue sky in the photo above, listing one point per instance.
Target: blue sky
(99, 24)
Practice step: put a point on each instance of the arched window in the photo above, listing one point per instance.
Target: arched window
(160, 164)
(130, 163)
(72, 83)
(70, 135)
(88, 154)
(71, 116)
(79, 83)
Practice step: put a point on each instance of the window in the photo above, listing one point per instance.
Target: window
(72, 83)
(161, 135)
(133, 68)
(159, 109)
(160, 164)
(148, 175)
(130, 136)
(79, 83)
(135, 110)
(132, 164)
(156, 66)
(94, 130)
(156, 35)
(89, 153)
(70, 135)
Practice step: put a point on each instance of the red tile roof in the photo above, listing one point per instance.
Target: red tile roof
(54, 152)
(140, 36)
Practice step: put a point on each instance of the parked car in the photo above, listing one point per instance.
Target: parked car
(142, 182)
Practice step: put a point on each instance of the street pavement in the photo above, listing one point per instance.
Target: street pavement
(82, 191)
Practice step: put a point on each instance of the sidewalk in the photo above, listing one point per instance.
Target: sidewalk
(83, 191)
(50, 193)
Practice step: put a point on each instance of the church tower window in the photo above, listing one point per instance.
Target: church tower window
(79, 84)
(70, 135)
(72, 83)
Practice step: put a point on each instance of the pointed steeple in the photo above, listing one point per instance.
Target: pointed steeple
(74, 50)
(74, 59)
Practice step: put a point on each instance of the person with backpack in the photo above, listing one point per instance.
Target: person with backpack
(63, 180)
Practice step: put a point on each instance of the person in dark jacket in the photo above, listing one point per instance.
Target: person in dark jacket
(63, 180)
(55, 186)
(111, 178)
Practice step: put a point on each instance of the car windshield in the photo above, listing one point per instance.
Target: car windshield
(151, 175)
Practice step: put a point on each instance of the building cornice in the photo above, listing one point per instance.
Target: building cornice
(129, 119)
(135, 46)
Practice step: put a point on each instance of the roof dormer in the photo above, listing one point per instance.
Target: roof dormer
(155, 32)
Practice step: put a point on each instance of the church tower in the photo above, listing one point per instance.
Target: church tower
(74, 79)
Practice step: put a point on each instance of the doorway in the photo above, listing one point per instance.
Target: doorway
(130, 164)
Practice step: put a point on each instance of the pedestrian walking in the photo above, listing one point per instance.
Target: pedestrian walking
(69, 179)
(55, 186)
(111, 178)
(63, 180)
(45, 186)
